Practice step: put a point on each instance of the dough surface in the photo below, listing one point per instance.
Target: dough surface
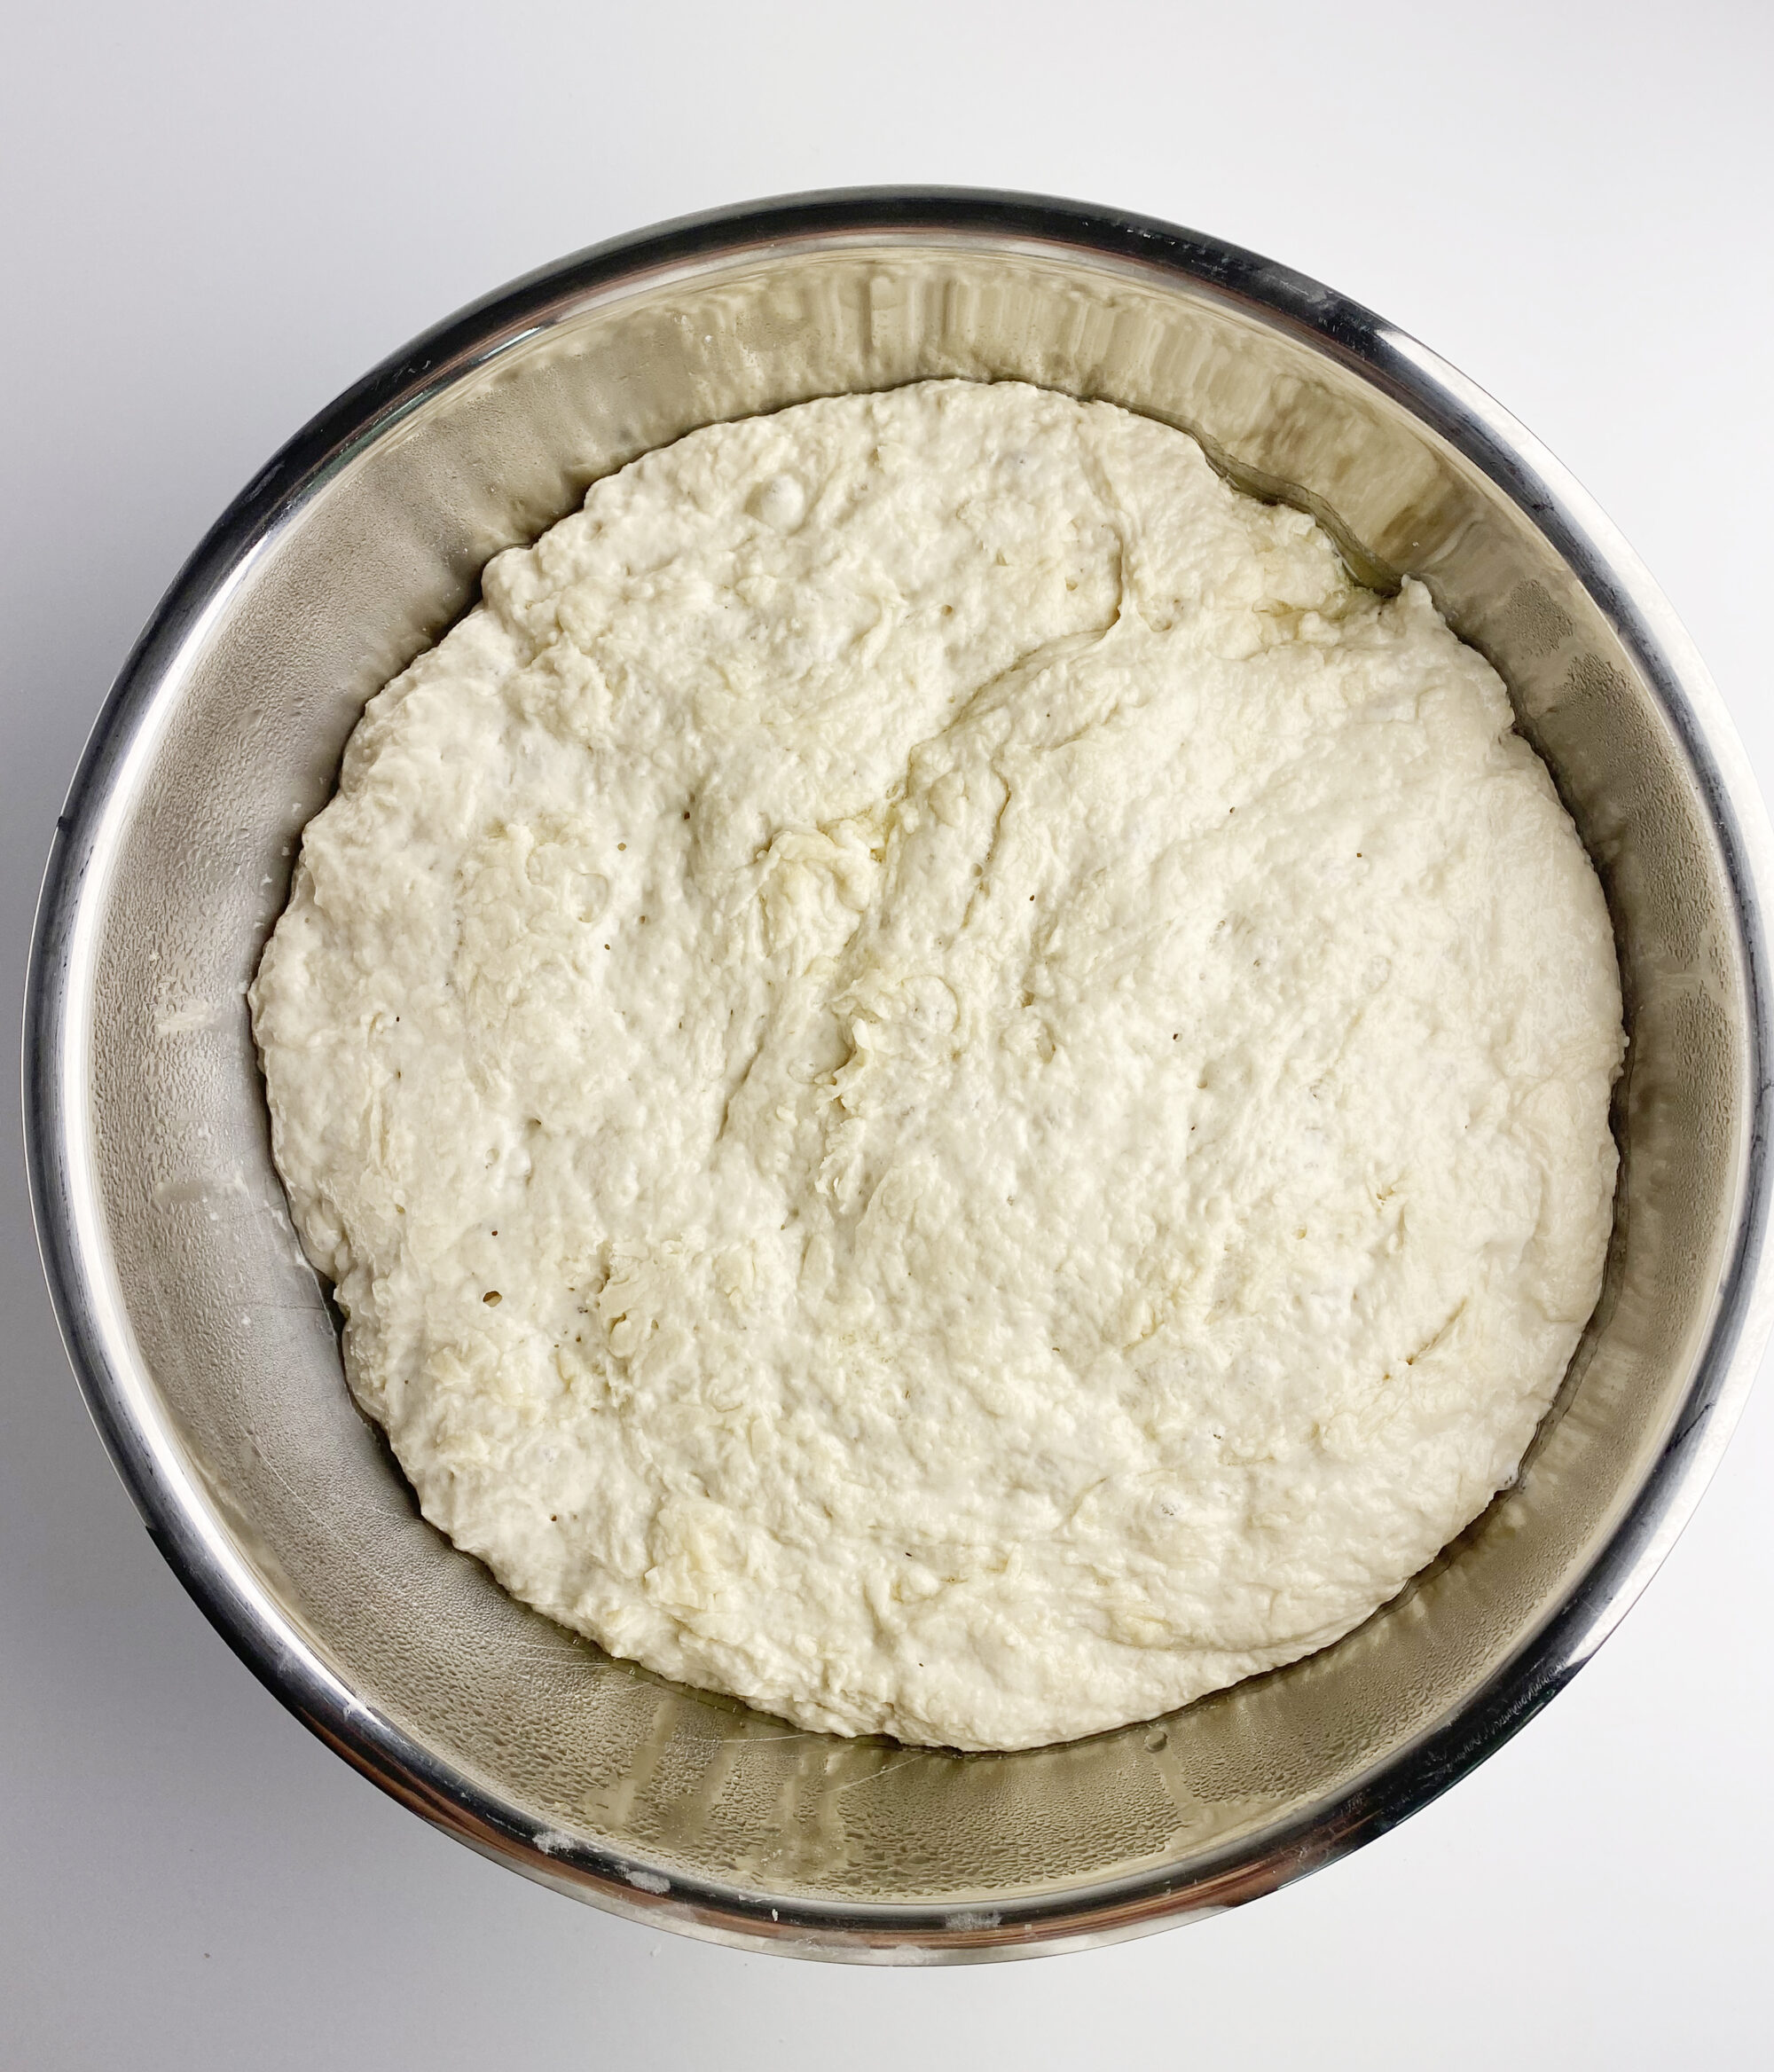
(948, 1085)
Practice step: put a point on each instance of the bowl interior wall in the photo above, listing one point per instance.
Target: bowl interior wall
(240, 1342)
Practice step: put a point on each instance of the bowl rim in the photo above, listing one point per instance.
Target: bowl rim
(69, 1219)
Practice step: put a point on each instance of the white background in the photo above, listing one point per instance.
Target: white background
(213, 218)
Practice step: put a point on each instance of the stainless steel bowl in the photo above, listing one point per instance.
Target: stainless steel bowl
(209, 1351)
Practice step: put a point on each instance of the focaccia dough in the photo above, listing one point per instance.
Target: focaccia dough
(949, 1085)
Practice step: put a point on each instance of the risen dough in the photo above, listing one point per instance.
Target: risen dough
(949, 1084)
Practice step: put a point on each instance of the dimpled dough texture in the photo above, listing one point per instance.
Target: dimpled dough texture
(949, 1086)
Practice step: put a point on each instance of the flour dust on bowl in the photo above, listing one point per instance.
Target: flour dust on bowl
(211, 1356)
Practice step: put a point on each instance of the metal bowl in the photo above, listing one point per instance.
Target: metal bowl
(209, 1351)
